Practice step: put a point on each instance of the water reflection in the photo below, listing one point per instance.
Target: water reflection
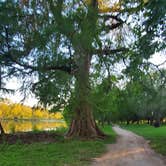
(12, 126)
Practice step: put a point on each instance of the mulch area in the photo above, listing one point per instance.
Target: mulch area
(29, 137)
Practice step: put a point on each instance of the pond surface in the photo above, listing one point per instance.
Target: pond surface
(13, 126)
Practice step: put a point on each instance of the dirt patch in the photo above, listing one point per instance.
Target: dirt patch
(29, 137)
(130, 150)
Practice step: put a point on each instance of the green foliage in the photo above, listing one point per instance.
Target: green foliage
(142, 98)
(68, 114)
(53, 89)
(105, 99)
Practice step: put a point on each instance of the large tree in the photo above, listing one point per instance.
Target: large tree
(55, 42)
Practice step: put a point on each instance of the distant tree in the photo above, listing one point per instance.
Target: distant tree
(143, 98)
(156, 97)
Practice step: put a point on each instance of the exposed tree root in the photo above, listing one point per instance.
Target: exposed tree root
(84, 127)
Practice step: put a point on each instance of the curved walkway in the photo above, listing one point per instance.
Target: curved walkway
(129, 150)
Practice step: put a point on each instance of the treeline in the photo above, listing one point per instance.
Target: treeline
(141, 99)
(9, 110)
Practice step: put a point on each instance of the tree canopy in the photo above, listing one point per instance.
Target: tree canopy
(59, 46)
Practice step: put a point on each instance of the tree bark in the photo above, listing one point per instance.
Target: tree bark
(1, 129)
(83, 124)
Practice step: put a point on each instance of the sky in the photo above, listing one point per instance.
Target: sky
(14, 83)
(17, 97)
(158, 58)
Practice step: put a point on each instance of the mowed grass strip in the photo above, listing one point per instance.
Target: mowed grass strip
(157, 136)
(61, 153)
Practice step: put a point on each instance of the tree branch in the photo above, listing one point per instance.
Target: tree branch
(113, 26)
(66, 68)
(161, 63)
(108, 16)
(108, 51)
(162, 73)
(5, 90)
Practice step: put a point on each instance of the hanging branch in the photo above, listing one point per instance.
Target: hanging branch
(65, 68)
(107, 17)
(108, 51)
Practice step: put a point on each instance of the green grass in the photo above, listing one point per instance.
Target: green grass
(62, 153)
(157, 136)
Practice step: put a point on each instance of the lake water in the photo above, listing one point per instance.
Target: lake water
(12, 126)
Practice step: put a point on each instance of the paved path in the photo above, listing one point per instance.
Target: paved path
(129, 150)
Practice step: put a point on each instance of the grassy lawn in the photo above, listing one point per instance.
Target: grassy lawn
(157, 136)
(61, 153)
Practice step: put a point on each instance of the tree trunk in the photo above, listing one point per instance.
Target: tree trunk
(83, 124)
(128, 122)
(1, 129)
(151, 121)
(157, 119)
(148, 119)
